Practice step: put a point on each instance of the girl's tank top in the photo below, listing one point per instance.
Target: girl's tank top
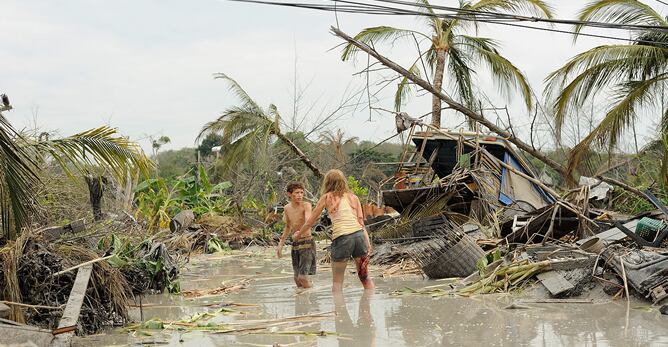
(344, 220)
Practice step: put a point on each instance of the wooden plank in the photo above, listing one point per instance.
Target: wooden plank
(612, 235)
(23, 335)
(73, 308)
(4, 311)
(555, 282)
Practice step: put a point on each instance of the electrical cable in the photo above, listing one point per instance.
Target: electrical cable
(363, 8)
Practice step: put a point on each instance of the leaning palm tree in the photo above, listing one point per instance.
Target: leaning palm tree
(247, 127)
(633, 76)
(454, 54)
(21, 157)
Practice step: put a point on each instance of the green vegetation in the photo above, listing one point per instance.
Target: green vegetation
(158, 199)
(634, 73)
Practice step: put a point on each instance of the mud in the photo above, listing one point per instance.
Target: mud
(379, 318)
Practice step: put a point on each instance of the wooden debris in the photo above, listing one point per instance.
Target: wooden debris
(91, 262)
(555, 282)
(73, 308)
(556, 301)
(222, 290)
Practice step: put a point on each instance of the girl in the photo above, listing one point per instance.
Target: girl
(349, 237)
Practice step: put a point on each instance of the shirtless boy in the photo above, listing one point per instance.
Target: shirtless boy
(303, 248)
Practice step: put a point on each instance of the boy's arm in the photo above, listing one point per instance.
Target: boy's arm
(313, 217)
(284, 235)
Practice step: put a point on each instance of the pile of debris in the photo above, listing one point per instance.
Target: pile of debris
(471, 208)
(211, 233)
(37, 276)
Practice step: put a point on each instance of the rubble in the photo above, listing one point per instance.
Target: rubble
(472, 208)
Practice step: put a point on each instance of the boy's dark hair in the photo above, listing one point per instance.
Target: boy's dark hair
(294, 185)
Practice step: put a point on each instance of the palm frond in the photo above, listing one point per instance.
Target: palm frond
(458, 68)
(423, 6)
(633, 95)
(620, 12)
(235, 123)
(597, 68)
(99, 148)
(246, 100)
(376, 35)
(404, 88)
(507, 76)
(243, 131)
(18, 180)
(533, 7)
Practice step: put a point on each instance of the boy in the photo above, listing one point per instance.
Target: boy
(303, 248)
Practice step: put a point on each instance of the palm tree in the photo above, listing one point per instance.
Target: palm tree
(635, 74)
(337, 142)
(20, 171)
(247, 127)
(450, 47)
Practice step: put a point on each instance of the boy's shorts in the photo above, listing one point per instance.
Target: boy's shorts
(303, 257)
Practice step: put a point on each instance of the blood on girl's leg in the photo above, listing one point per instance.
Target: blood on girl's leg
(362, 264)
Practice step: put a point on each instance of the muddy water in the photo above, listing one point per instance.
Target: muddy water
(381, 319)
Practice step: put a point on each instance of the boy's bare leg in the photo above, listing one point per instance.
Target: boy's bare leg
(297, 281)
(304, 281)
(362, 265)
(338, 270)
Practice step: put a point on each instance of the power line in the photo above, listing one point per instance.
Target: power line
(514, 17)
(662, 2)
(362, 8)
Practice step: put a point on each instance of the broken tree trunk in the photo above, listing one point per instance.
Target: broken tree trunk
(452, 103)
(95, 192)
(304, 159)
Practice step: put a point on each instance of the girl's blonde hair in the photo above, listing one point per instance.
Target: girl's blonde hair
(334, 182)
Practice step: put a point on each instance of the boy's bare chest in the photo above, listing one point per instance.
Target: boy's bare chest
(295, 215)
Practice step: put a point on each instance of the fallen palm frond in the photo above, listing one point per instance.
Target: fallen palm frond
(222, 290)
(204, 316)
(260, 326)
(509, 277)
(10, 257)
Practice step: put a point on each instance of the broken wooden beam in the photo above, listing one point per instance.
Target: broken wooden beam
(73, 309)
(91, 262)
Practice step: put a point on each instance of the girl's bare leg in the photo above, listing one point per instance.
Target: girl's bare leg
(338, 270)
(362, 264)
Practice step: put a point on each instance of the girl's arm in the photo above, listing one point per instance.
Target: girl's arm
(360, 219)
(313, 218)
(358, 210)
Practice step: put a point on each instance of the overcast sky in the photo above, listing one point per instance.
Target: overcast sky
(146, 66)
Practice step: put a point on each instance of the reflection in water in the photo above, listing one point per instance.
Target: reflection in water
(381, 319)
(363, 333)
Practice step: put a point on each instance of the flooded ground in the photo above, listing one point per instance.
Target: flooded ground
(376, 319)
